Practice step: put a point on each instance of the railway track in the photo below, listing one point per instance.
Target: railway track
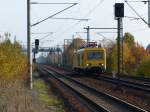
(136, 83)
(130, 84)
(141, 79)
(95, 100)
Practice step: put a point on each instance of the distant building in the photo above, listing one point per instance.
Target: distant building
(148, 48)
(1, 38)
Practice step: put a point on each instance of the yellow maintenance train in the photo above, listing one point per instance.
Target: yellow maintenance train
(90, 60)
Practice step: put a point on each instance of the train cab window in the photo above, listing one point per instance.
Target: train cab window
(95, 55)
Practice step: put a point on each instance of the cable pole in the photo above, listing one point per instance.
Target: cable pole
(29, 47)
(122, 49)
(34, 60)
(118, 44)
(58, 54)
(149, 13)
(88, 33)
(119, 14)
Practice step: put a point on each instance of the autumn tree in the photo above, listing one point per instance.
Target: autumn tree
(69, 51)
(110, 56)
(13, 60)
(129, 59)
(144, 68)
(134, 55)
(129, 39)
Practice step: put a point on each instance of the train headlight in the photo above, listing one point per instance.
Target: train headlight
(101, 64)
(88, 64)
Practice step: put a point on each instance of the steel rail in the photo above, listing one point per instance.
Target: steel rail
(143, 79)
(133, 85)
(115, 102)
(90, 104)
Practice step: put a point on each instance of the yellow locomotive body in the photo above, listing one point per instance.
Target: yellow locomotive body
(90, 60)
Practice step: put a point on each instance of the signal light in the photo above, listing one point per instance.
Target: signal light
(36, 42)
(36, 45)
(119, 10)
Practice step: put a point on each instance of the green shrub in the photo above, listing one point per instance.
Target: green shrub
(144, 68)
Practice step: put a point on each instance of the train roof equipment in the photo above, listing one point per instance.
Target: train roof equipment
(91, 45)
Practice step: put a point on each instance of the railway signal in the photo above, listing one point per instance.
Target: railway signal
(119, 10)
(119, 14)
(36, 43)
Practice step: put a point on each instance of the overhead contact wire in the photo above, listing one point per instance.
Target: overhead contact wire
(53, 15)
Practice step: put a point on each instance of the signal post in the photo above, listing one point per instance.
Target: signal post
(119, 14)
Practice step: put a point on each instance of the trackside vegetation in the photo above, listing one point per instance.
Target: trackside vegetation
(144, 68)
(15, 95)
(136, 58)
(44, 95)
(13, 63)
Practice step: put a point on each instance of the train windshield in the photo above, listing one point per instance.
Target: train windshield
(94, 55)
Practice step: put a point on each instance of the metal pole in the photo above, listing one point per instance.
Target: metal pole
(88, 34)
(29, 43)
(61, 59)
(122, 59)
(64, 54)
(34, 55)
(58, 55)
(118, 43)
(149, 13)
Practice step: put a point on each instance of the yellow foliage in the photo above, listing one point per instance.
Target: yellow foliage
(12, 60)
(128, 57)
(133, 56)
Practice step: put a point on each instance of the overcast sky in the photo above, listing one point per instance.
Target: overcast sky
(100, 13)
